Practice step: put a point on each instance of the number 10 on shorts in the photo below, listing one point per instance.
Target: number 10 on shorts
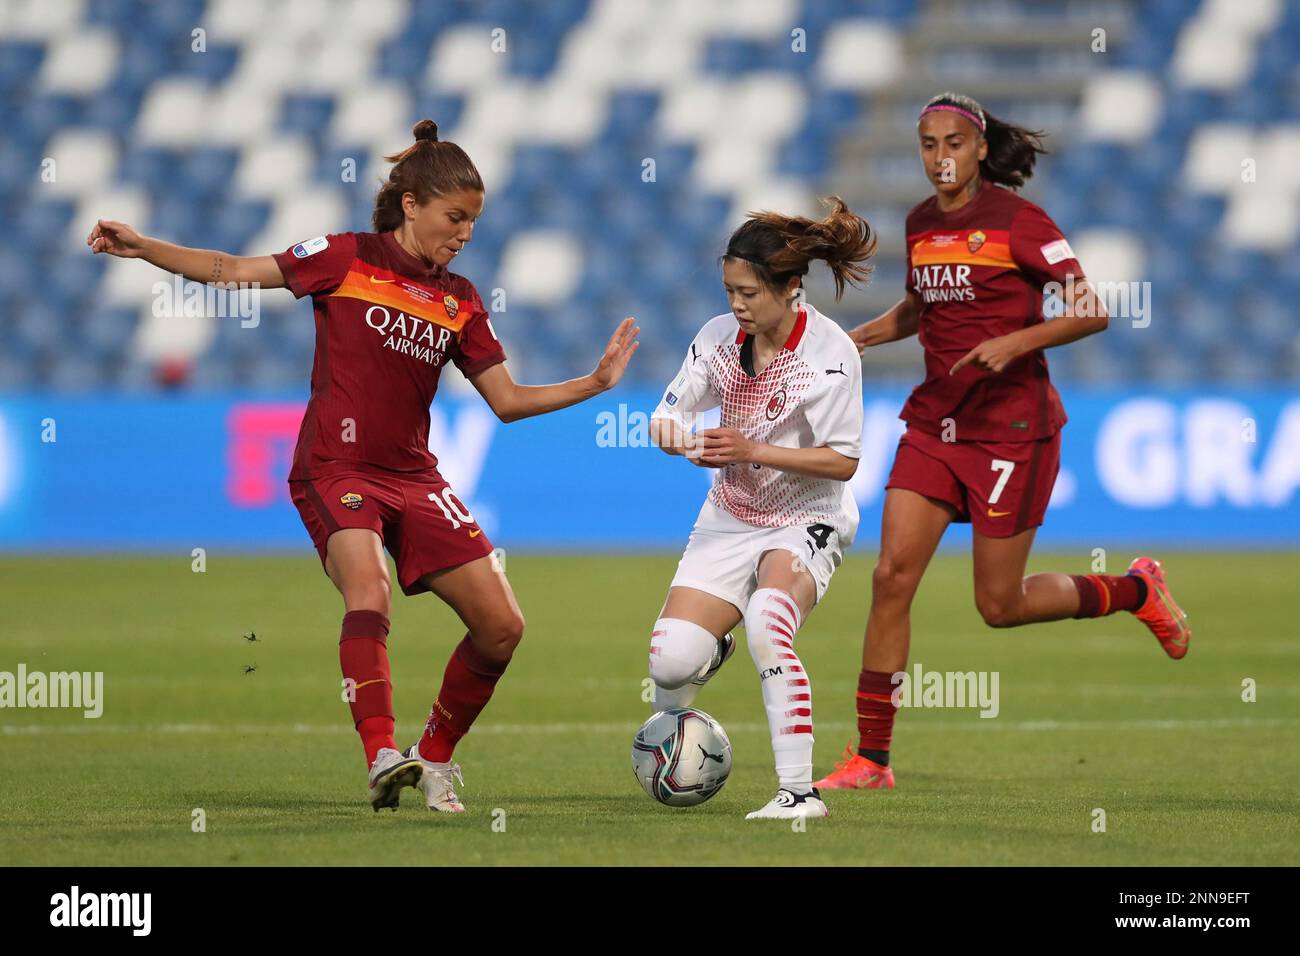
(448, 502)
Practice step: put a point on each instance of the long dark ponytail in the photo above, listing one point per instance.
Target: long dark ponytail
(779, 247)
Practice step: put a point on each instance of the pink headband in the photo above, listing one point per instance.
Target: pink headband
(949, 108)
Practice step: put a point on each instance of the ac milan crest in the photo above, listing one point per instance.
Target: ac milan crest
(775, 406)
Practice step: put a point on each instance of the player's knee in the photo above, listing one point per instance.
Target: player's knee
(893, 581)
(499, 638)
(680, 651)
(997, 611)
(369, 594)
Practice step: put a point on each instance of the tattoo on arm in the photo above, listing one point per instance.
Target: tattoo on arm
(217, 263)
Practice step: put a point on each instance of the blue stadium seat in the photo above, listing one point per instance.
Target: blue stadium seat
(650, 247)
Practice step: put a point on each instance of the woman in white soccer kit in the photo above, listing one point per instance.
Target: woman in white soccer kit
(779, 515)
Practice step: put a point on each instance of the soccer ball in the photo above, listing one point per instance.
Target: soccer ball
(681, 756)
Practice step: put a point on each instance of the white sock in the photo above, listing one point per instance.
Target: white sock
(680, 651)
(771, 622)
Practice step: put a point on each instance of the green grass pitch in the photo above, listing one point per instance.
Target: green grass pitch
(1093, 715)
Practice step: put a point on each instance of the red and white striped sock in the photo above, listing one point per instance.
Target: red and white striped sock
(771, 622)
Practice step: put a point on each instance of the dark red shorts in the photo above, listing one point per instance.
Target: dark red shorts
(422, 522)
(1001, 488)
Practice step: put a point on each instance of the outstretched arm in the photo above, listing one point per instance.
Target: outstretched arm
(899, 322)
(511, 401)
(201, 265)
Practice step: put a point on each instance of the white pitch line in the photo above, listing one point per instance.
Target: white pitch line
(971, 722)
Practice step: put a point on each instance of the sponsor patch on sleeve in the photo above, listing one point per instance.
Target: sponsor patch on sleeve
(312, 246)
(670, 399)
(1057, 251)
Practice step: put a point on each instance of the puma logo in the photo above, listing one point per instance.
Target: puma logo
(837, 371)
(705, 756)
(694, 355)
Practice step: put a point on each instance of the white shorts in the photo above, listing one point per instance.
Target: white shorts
(723, 552)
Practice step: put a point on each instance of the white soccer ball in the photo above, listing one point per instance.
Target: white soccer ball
(681, 756)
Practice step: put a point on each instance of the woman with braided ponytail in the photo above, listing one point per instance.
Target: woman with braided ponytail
(779, 516)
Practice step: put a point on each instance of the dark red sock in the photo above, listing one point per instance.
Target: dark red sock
(467, 686)
(376, 734)
(876, 713)
(1102, 594)
(363, 656)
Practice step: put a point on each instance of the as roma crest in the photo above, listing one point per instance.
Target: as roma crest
(975, 240)
(451, 305)
(351, 501)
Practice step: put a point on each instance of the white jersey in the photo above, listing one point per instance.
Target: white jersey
(809, 396)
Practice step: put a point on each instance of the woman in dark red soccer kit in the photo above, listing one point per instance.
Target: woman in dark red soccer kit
(983, 430)
(389, 316)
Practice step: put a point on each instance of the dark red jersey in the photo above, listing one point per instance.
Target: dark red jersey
(980, 272)
(386, 324)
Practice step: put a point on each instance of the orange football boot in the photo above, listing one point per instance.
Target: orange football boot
(1160, 612)
(856, 772)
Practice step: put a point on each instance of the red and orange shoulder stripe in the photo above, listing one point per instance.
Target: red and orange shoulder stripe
(982, 239)
(446, 300)
(972, 245)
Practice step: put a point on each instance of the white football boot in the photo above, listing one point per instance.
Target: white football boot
(390, 772)
(435, 783)
(787, 805)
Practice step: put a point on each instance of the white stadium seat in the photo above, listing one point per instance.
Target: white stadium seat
(1262, 220)
(375, 114)
(232, 20)
(1121, 107)
(860, 55)
(85, 161)
(174, 113)
(725, 164)
(241, 113)
(766, 106)
(40, 19)
(83, 61)
(267, 63)
(305, 214)
(541, 267)
(335, 65)
(371, 21)
(1215, 155)
(275, 167)
(567, 113)
(1110, 255)
(693, 108)
(462, 59)
(1210, 57)
(1277, 150)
